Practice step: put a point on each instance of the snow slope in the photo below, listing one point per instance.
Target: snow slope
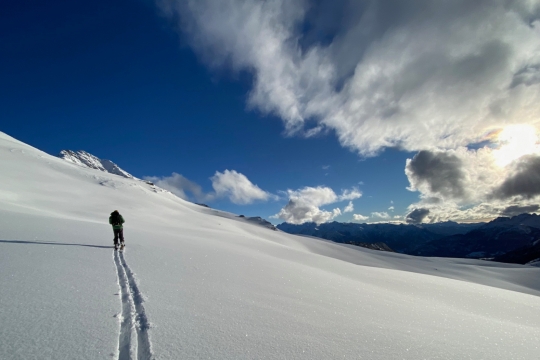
(85, 159)
(196, 283)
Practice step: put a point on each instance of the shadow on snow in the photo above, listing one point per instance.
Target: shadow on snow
(54, 243)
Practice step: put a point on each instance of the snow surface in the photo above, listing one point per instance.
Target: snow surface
(85, 159)
(197, 283)
(535, 262)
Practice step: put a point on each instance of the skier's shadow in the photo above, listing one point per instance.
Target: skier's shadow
(53, 243)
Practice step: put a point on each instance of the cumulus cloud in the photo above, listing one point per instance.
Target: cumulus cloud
(350, 194)
(229, 184)
(432, 77)
(349, 208)
(437, 173)
(359, 217)
(297, 212)
(524, 181)
(516, 210)
(304, 204)
(237, 188)
(380, 215)
(481, 212)
(181, 187)
(484, 188)
(391, 208)
(416, 216)
(380, 73)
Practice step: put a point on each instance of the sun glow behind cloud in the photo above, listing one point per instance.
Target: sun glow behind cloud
(515, 141)
(430, 79)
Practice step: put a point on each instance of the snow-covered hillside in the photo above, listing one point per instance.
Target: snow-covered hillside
(85, 159)
(196, 283)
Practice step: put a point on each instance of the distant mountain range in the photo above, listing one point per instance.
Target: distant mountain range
(400, 237)
(529, 254)
(504, 239)
(490, 240)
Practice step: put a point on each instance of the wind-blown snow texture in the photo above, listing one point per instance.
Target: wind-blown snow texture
(202, 284)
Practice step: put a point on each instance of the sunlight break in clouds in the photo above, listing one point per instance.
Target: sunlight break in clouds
(515, 141)
(469, 185)
(433, 77)
(304, 204)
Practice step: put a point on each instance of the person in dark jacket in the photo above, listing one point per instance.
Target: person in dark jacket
(116, 220)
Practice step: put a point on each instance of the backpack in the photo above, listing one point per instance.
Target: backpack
(115, 219)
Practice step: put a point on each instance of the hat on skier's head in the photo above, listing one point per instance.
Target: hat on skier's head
(114, 212)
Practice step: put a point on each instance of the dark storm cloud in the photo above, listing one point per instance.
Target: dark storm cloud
(516, 210)
(525, 182)
(440, 172)
(417, 216)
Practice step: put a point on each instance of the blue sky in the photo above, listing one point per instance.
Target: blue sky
(193, 89)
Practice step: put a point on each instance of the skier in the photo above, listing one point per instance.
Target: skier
(116, 220)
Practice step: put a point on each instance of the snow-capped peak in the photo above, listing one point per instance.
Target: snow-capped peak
(82, 158)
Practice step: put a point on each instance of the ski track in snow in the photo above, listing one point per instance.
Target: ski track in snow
(133, 340)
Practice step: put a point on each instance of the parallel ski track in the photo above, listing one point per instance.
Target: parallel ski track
(133, 340)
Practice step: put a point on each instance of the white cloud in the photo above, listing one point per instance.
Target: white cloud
(422, 76)
(304, 204)
(229, 184)
(326, 167)
(237, 188)
(381, 215)
(481, 212)
(349, 208)
(350, 194)
(359, 217)
(391, 208)
(469, 185)
(181, 187)
(432, 76)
